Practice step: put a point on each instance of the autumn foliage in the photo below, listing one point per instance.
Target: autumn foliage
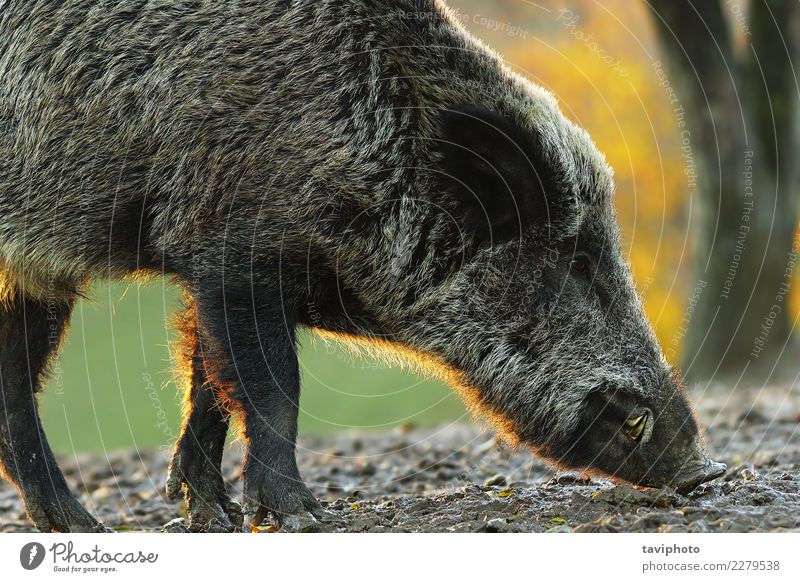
(602, 62)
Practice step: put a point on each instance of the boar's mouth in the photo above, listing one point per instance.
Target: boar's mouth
(694, 472)
(693, 475)
(698, 468)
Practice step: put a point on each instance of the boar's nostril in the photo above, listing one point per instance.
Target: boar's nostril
(715, 470)
(694, 476)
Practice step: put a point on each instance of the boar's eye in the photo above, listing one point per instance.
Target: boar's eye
(635, 426)
(581, 264)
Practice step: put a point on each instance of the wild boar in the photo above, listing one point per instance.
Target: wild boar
(364, 168)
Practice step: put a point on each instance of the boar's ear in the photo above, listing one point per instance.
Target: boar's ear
(497, 182)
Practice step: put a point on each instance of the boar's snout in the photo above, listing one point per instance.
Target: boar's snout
(699, 470)
(696, 468)
(652, 442)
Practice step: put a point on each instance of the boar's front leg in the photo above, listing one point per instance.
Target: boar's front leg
(30, 332)
(196, 466)
(259, 374)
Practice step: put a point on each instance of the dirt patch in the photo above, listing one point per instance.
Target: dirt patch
(459, 479)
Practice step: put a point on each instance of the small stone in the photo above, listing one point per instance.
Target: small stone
(496, 525)
(367, 469)
(177, 525)
(303, 522)
(405, 428)
(496, 481)
(749, 473)
(572, 478)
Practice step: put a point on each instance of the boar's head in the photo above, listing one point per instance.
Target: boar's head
(515, 280)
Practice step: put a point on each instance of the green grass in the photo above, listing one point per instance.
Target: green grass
(112, 387)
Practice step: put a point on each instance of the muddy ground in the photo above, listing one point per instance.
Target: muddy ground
(458, 479)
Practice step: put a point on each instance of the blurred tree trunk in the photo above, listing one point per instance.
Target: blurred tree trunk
(741, 115)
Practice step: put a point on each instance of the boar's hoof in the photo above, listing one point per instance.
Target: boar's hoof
(63, 515)
(279, 497)
(223, 517)
(208, 506)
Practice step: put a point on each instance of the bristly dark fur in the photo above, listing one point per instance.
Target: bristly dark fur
(361, 167)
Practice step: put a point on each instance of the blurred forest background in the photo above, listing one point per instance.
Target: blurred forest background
(112, 386)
